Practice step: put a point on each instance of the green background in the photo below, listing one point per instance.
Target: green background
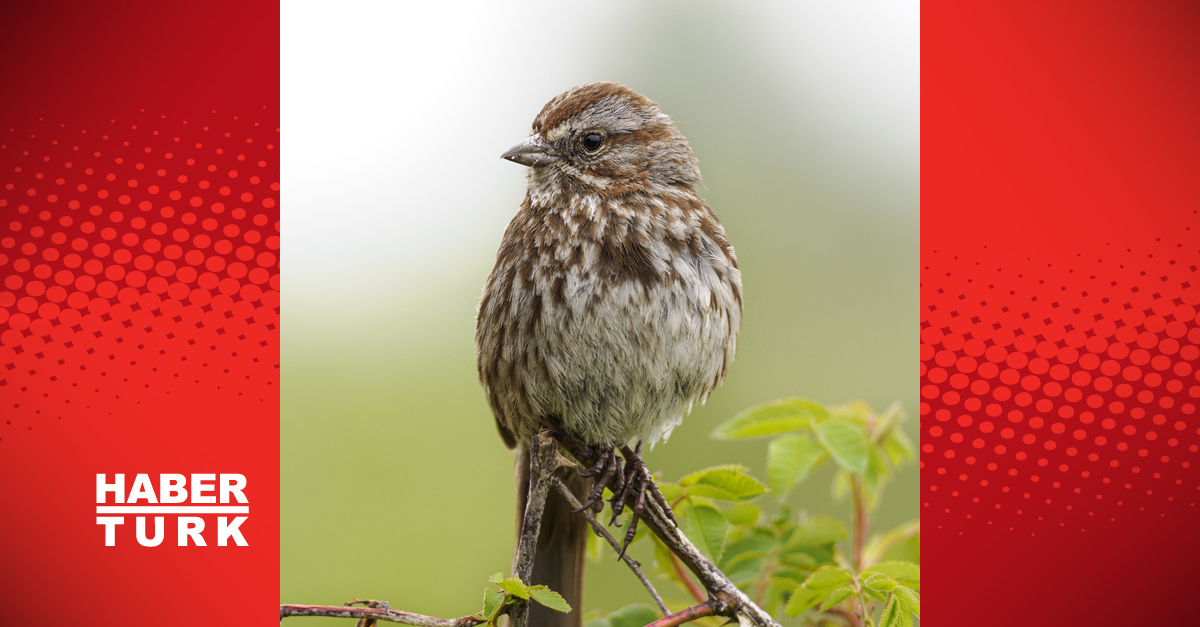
(395, 484)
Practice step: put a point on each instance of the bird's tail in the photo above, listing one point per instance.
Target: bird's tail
(561, 546)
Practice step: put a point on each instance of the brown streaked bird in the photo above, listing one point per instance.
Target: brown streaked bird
(614, 307)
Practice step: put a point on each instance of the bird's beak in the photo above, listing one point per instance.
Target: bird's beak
(531, 152)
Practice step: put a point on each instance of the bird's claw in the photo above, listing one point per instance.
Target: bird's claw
(629, 483)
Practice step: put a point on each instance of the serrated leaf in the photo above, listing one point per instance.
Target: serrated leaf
(799, 559)
(743, 514)
(515, 587)
(908, 550)
(879, 581)
(857, 412)
(789, 460)
(909, 598)
(636, 615)
(817, 531)
(497, 578)
(845, 442)
(774, 418)
(888, 421)
(898, 448)
(894, 616)
(905, 573)
(731, 482)
(549, 598)
(493, 600)
(835, 597)
(757, 542)
(705, 526)
(792, 574)
(670, 491)
(828, 577)
(902, 542)
(804, 598)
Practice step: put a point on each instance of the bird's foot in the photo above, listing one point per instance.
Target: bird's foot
(608, 473)
(632, 491)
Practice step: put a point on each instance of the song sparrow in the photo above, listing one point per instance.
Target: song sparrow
(614, 306)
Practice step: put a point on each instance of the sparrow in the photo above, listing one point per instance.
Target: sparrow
(613, 309)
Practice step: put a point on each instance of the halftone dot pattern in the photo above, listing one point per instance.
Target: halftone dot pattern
(137, 257)
(1061, 395)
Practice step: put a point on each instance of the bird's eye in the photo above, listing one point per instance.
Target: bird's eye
(592, 141)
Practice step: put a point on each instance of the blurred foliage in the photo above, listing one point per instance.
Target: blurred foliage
(812, 567)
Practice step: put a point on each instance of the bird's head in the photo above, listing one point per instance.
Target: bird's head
(603, 136)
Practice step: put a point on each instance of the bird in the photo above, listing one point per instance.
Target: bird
(613, 308)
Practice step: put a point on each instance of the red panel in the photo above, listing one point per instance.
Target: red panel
(139, 304)
(1058, 313)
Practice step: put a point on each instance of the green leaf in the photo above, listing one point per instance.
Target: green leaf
(743, 514)
(804, 598)
(879, 581)
(887, 421)
(837, 596)
(857, 412)
(705, 527)
(828, 577)
(549, 598)
(730, 482)
(670, 491)
(595, 547)
(908, 550)
(898, 447)
(791, 414)
(599, 621)
(905, 573)
(894, 616)
(497, 578)
(636, 615)
(663, 557)
(840, 486)
(909, 598)
(789, 460)
(845, 442)
(493, 600)
(515, 587)
(817, 531)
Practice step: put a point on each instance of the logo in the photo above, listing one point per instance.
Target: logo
(205, 495)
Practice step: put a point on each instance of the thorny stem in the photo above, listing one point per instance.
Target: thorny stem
(377, 613)
(602, 532)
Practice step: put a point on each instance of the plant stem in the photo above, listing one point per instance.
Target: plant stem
(683, 576)
(859, 509)
(708, 608)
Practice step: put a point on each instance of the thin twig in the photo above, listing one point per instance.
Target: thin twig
(707, 608)
(543, 458)
(602, 532)
(380, 613)
(719, 587)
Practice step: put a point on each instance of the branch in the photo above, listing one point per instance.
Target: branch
(707, 608)
(602, 532)
(378, 613)
(543, 459)
(719, 587)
